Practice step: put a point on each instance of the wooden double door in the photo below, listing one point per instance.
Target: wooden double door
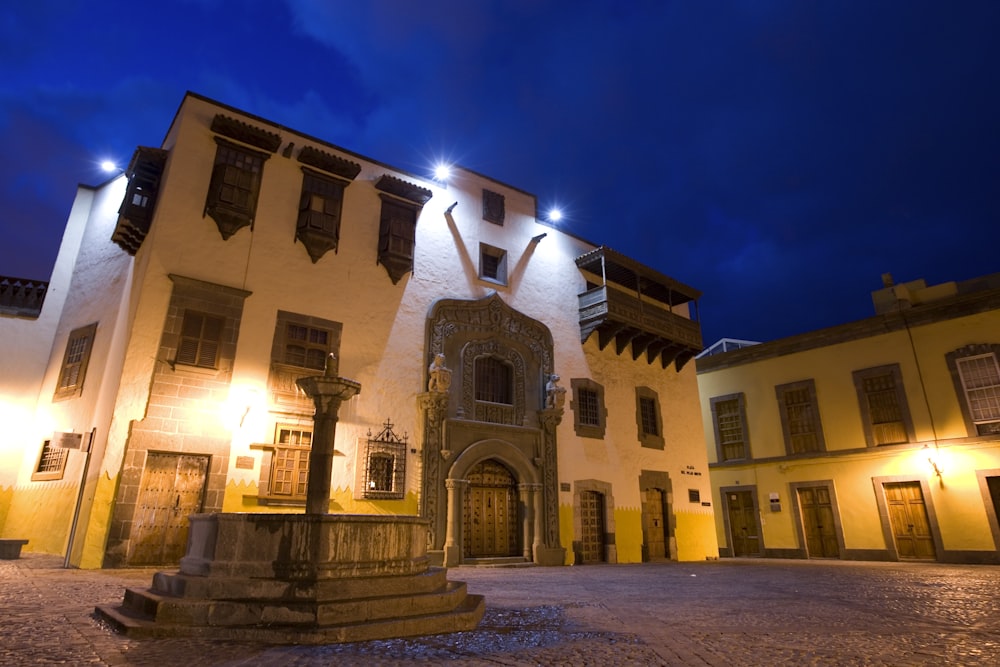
(172, 489)
(491, 518)
(744, 526)
(911, 529)
(818, 523)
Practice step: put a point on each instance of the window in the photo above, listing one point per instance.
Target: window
(494, 381)
(492, 264)
(290, 461)
(306, 346)
(800, 421)
(648, 418)
(587, 403)
(385, 465)
(980, 381)
(397, 230)
(75, 360)
(884, 411)
(232, 193)
(51, 463)
(301, 346)
(729, 417)
(493, 207)
(694, 496)
(320, 205)
(201, 336)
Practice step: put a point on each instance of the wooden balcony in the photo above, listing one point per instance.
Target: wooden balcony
(633, 308)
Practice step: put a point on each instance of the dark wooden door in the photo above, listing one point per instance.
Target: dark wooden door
(491, 512)
(654, 525)
(908, 517)
(817, 522)
(592, 525)
(743, 525)
(172, 488)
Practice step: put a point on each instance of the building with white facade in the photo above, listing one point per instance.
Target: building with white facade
(524, 390)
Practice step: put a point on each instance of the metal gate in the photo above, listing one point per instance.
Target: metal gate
(592, 524)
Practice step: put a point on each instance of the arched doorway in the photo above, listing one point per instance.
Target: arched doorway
(491, 516)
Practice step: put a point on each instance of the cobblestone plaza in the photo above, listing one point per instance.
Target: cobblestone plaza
(729, 612)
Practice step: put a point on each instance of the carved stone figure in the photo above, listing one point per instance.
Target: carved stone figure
(439, 377)
(555, 396)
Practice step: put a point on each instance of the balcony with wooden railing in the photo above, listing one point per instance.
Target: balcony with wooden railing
(634, 307)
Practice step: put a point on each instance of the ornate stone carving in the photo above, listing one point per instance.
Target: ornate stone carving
(438, 376)
(555, 396)
(433, 407)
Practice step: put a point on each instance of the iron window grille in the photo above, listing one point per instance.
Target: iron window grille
(385, 465)
(51, 463)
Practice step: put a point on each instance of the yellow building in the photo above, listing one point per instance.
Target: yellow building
(525, 390)
(873, 440)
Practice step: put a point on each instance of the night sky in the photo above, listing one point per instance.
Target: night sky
(777, 156)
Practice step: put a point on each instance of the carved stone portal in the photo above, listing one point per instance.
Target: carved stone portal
(460, 431)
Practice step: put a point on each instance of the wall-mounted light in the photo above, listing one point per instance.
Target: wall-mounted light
(555, 214)
(536, 239)
(932, 458)
(442, 172)
(451, 208)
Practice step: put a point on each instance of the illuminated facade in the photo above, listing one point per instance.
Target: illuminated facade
(873, 440)
(526, 391)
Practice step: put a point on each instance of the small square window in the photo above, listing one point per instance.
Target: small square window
(694, 495)
(493, 207)
(51, 463)
(492, 264)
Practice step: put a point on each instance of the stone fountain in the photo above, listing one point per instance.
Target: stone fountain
(310, 578)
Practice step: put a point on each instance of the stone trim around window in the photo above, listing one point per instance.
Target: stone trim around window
(951, 359)
(492, 264)
(648, 418)
(744, 439)
(884, 432)
(795, 417)
(589, 422)
(75, 361)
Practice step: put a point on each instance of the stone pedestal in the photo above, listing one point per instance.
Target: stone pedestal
(300, 579)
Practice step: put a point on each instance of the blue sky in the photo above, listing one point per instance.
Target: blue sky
(779, 156)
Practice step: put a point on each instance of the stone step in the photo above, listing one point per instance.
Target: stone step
(466, 615)
(289, 611)
(497, 561)
(180, 585)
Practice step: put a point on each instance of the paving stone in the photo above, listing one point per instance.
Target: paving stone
(729, 612)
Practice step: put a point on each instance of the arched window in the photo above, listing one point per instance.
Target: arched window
(494, 381)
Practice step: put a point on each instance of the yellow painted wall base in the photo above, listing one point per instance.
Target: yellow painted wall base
(41, 513)
(95, 535)
(6, 498)
(566, 532)
(628, 535)
(242, 497)
(696, 538)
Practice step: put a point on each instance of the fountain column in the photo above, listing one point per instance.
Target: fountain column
(327, 391)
